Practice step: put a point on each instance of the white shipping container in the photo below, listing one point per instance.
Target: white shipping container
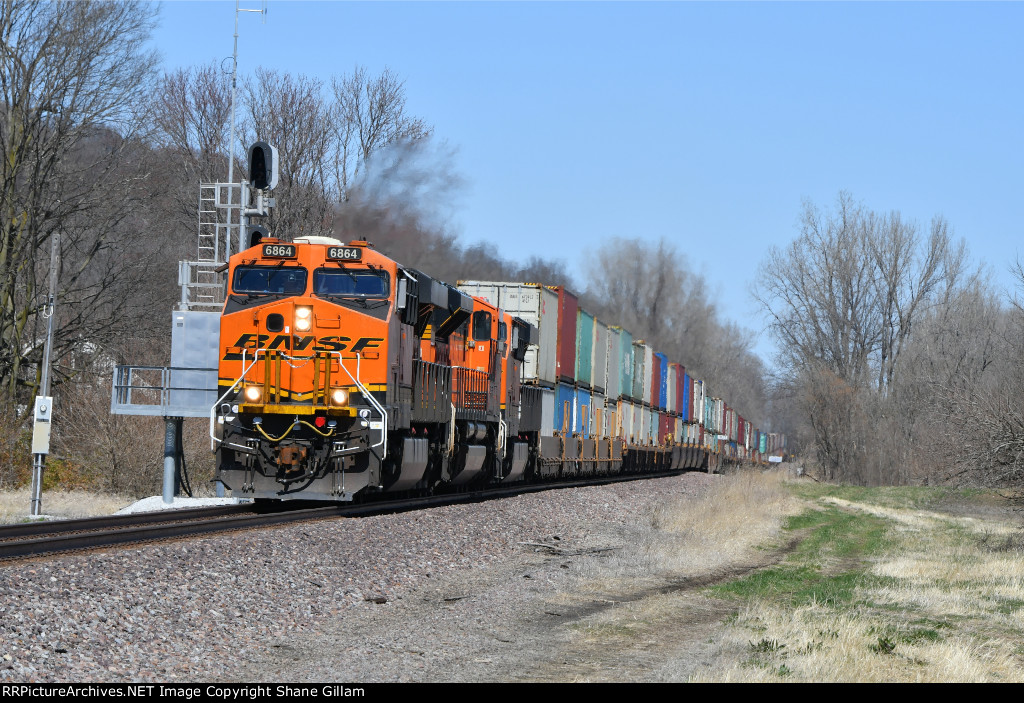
(532, 303)
(547, 412)
(614, 373)
(670, 405)
(645, 426)
(599, 417)
(626, 420)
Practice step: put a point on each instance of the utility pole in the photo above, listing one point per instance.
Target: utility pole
(44, 401)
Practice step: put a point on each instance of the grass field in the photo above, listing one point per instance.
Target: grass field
(886, 584)
(15, 505)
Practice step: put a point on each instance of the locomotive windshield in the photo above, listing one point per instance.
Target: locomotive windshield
(281, 280)
(351, 283)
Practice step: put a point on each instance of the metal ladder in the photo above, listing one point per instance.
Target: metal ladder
(219, 217)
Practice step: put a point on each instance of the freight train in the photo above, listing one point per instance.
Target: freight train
(343, 373)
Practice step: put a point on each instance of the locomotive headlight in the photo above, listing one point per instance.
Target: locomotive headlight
(303, 318)
(339, 396)
(252, 393)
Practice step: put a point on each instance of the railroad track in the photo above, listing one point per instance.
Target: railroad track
(37, 539)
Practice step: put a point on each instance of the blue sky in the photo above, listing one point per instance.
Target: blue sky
(705, 123)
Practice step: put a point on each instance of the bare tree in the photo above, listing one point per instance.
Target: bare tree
(844, 300)
(292, 113)
(73, 81)
(647, 288)
(371, 115)
(192, 113)
(193, 110)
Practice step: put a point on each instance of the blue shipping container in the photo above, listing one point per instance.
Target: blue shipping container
(573, 410)
(565, 399)
(584, 411)
(662, 400)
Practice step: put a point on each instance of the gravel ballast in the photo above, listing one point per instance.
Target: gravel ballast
(220, 608)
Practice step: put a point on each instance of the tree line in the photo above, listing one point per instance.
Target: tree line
(899, 361)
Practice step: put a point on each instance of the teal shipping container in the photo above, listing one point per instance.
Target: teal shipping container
(584, 349)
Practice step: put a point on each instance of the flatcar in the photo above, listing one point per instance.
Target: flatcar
(344, 373)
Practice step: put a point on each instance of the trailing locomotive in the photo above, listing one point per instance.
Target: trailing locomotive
(342, 372)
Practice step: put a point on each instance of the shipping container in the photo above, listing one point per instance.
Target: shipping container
(626, 421)
(584, 369)
(600, 368)
(598, 416)
(547, 412)
(666, 428)
(625, 363)
(686, 411)
(698, 397)
(655, 379)
(648, 382)
(613, 389)
(565, 403)
(637, 394)
(568, 309)
(532, 303)
(671, 406)
(646, 423)
(659, 391)
(573, 411)
(583, 419)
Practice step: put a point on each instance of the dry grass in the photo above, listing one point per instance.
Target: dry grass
(697, 535)
(936, 605)
(814, 643)
(707, 532)
(15, 504)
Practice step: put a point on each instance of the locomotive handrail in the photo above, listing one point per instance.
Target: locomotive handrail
(341, 363)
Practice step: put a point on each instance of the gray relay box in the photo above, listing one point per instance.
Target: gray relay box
(41, 425)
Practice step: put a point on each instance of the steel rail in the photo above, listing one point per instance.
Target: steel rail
(23, 540)
(46, 527)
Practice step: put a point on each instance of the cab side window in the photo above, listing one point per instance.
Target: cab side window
(481, 325)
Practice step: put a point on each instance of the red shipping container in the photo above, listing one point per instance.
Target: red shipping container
(680, 408)
(666, 425)
(655, 382)
(568, 309)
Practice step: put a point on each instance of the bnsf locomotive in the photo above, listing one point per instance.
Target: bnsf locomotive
(342, 372)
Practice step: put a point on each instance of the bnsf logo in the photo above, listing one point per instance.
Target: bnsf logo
(296, 343)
